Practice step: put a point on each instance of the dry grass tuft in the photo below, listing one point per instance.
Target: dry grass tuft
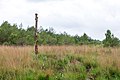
(18, 56)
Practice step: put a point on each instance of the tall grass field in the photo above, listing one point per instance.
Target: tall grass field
(59, 63)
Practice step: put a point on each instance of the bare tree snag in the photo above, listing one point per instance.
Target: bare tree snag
(36, 35)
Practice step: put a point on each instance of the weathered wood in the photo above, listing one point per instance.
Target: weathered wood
(36, 36)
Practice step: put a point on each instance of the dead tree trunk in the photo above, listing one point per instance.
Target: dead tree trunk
(36, 35)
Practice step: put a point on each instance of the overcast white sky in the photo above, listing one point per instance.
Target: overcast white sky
(93, 17)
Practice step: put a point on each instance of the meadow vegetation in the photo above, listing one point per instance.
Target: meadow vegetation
(61, 56)
(59, 63)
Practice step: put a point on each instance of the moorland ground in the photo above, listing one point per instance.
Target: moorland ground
(59, 63)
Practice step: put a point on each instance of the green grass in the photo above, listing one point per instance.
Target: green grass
(59, 63)
(65, 67)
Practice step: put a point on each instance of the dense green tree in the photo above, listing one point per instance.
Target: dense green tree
(110, 40)
(30, 35)
(85, 39)
(77, 39)
(16, 35)
(8, 33)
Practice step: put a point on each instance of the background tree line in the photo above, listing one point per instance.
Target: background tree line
(14, 35)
